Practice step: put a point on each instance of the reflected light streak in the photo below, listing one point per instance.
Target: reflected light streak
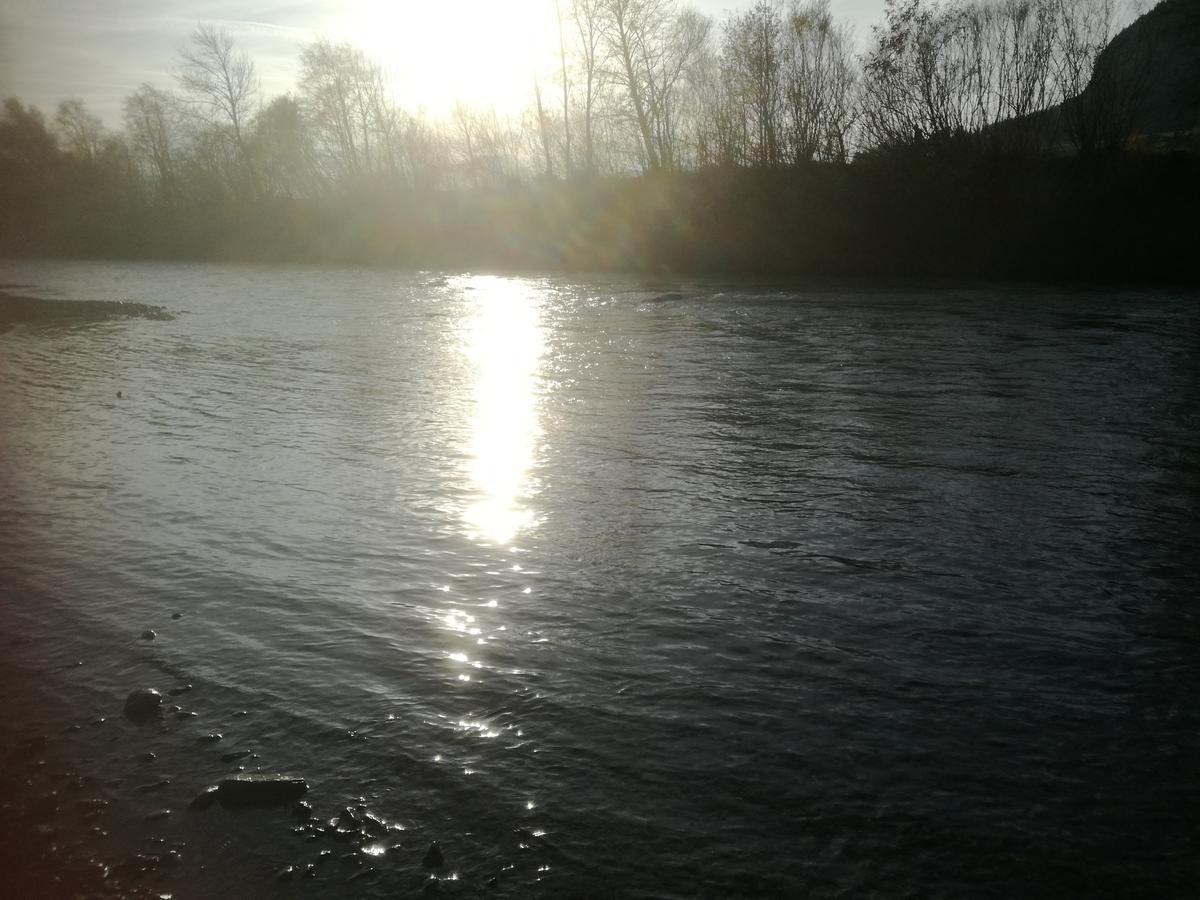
(504, 343)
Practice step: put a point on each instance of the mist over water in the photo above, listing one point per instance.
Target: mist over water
(623, 589)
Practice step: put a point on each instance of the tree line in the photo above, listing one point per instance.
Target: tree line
(649, 103)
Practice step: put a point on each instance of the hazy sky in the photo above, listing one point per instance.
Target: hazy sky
(435, 51)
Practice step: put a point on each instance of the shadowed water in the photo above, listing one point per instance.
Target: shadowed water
(618, 589)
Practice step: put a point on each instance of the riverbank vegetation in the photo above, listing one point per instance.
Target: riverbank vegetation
(998, 138)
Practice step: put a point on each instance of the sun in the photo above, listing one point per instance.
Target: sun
(481, 52)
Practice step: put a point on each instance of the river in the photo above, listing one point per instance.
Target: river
(612, 587)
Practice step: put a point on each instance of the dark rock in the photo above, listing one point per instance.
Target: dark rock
(182, 689)
(205, 798)
(240, 791)
(148, 634)
(433, 858)
(239, 714)
(210, 738)
(374, 825)
(302, 810)
(176, 615)
(143, 705)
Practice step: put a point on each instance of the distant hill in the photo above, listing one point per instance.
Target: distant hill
(1158, 56)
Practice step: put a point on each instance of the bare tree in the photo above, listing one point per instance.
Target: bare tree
(221, 80)
(152, 123)
(283, 148)
(78, 131)
(629, 28)
(543, 127)
(587, 16)
(820, 84)
(753, 50)
(568, 163)
(345, 98)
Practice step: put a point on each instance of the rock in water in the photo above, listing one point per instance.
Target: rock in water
(143, 705)
(148, 634)
(433, 856)
(205, 799)
(239, 791)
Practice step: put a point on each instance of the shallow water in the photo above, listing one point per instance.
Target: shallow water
(619, 588)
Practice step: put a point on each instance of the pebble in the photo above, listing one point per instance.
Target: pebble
(260, 790)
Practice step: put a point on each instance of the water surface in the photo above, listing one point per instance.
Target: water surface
(619, 588)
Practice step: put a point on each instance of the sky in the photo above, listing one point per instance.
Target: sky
(435, 51)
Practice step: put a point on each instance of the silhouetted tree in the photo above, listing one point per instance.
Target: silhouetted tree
(222, 83)
(153, 127)
(79, 132)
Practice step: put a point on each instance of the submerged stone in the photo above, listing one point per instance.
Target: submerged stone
(255, 789)
(143, 705)
(205, 798)
(433, 856)
(148, 634)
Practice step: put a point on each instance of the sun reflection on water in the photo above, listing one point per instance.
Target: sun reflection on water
(504, 343)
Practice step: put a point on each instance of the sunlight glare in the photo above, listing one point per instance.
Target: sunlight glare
(478, 51)
(504, 342)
